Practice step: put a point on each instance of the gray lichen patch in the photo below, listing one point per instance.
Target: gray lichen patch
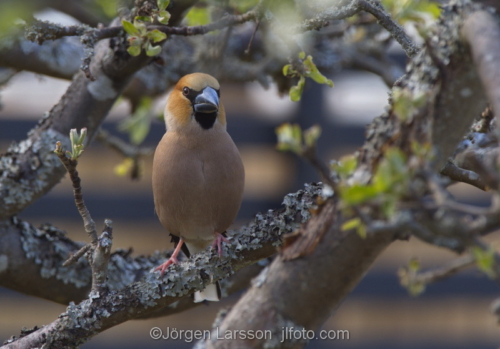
(48, 247)
(63, 55)
(273, 224)
(27, 170)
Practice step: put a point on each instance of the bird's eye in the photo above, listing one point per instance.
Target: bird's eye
(185, 91)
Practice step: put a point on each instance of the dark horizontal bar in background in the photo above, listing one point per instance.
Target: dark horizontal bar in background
(244, 129)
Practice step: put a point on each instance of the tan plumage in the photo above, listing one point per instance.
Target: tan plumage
(198, 175)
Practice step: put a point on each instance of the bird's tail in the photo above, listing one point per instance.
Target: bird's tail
(210, 293)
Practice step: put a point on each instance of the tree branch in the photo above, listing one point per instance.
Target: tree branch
(383, 18)
(482, 32)
(458, 174)
(327, 276)
(100, 312)
(32, 251)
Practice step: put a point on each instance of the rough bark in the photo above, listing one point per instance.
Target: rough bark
(303, 292)
(40, 253)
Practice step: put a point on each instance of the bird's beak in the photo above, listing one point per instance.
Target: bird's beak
(207, 101)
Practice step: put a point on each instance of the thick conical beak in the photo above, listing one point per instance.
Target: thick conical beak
(207, 101)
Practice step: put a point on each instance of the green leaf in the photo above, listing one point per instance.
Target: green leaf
(314, 73)
(129, 28)
(302, 55)
(143, 19)
(296, 91)
(134, 50)
(362, 231)
(357, 193)
(289, 138)
(311, 135)
(287, 69)
(485, 260)
(345, 166)
(156, 35)
(164, 17)
(152, 51)
(408, 278)
(198, 16)
(351, 224)
(141, 27)
(355, 223)
(392, 172)
(162, 4)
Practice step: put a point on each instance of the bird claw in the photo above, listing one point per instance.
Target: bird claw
(162, 267)
(217, 244)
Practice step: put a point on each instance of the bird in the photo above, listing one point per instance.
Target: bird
(198, 175)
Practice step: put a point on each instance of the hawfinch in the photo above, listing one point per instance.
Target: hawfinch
(198, 175)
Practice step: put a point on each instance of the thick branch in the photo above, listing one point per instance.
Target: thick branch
(319, 280)
(482, 32)
(83, 321)
(32, 251)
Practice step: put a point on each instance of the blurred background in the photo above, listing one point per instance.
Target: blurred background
(378, 314)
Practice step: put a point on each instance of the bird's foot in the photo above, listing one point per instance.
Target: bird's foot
(171, 260)
(217, 244)
(164, 266)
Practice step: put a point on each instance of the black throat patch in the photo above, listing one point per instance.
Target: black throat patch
(206, 120)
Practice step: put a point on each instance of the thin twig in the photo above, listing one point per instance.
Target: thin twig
(443, 198)
(76, 256)
(126, 149)
(100, 247)
(450, 269)
(70, 166)
(385, 20)
(247, 51)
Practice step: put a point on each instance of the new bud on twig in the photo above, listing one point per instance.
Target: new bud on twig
(77, 141)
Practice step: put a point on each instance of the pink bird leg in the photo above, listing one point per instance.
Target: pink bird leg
(171, 260)
(217, 244)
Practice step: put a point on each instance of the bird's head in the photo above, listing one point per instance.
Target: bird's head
(194, 102)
